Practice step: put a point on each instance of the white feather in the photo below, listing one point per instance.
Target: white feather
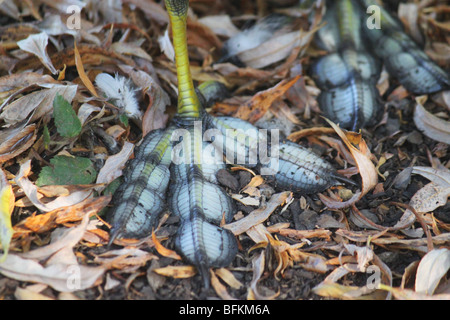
(120, 92)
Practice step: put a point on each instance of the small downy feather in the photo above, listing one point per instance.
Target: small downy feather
(120, 92)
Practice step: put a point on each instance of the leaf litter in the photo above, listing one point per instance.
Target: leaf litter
(58, 166)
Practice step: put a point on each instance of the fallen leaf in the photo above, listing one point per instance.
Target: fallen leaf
(153, 10)
(37, 45)
(80, 68)
(247, 201)
(130, 49)
(15, 140)
(113, 166)
(67, 170)
(258, 105)
(127, 259)
(366, 168)
(177, 272)
(432, 126)
(259, 215)
(36, 104)
(306, 234)
(163, 250)
(44, 222)
(12, 83)
(440, 177)
(219, 288)
(431, 270)
(408, 13)
(258, 269)
(429, 197)
(229, 278)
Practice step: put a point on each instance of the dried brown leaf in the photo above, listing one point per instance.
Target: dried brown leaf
(258, 105)
(431, 270)
(37, 45)
(114, 165)
(366, 168)
(177, 272)
(259, 215)
(80, 68)
(15, 140)
(220, 289)
(432, 126)
(163, 250)
(229, 278)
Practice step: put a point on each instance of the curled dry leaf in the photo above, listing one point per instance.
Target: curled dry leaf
(114, 165)
(125, 259)
(428, 198)
(81, 72)
(258, 105)
(366, 168)
(15, 140)
(259, 215)
(163, 250)
(368, 263)
(229, 278)
(432, 126)
(37, 45)
(220, 289)
(258, 269)
(431, 270)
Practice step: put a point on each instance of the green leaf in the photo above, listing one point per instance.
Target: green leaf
(67, 170)
(66, 120)
(6, 208)
(124, 119)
